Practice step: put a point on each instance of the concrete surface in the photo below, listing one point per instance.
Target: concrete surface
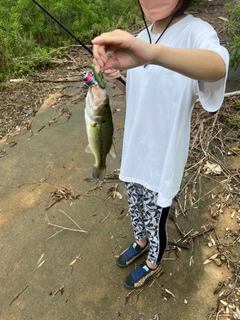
(53, 157)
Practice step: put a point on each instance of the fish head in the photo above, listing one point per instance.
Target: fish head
(97, 100)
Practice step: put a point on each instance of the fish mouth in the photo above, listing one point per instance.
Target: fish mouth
(97, 96)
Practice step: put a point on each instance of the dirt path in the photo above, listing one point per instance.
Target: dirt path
(49, 163)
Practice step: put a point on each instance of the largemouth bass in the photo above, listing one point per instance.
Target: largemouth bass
(99, 125)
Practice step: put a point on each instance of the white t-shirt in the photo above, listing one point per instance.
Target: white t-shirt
(158, 112)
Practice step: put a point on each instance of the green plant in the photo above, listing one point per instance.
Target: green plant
(234, 122)
(234, 20)
(28, 35)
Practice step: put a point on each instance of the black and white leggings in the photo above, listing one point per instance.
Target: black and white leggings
(148, 218)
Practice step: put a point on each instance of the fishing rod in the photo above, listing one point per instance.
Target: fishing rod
(70, 33)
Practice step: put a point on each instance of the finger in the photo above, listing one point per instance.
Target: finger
(114, 37)
(99, 52)
(99, 62)
(111, 63)
(110, 71)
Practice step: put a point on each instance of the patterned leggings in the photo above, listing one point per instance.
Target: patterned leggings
(148, 218)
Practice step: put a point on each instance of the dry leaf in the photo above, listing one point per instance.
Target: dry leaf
(170, 293)
(119, 195)
(224, 302)
(212, 168)
(210, 259)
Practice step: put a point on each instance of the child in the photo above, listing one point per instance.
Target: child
(170, 64)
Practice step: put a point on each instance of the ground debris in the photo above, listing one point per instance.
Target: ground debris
(12, 143)
(113, 175)
(62, 110)
(16, 101)
(212, 168)
(74, 260)
(166, 293)
(62, 228)
(113, 192)
(61, 290)
(214, 156)
(98, 187)
(228, 291)
(40, 261)
(18, 295)
(72, 263)
(228, 298)
(59, 195)
(193, 234)
(3, 153)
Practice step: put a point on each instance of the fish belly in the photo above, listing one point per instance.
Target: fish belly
(100, 135)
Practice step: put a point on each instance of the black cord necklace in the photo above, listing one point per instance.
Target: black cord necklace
(149, 36)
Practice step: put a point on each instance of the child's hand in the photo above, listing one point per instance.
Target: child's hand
(110, 75)
(128, 51)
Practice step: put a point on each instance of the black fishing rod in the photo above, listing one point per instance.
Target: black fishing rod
(69, 32)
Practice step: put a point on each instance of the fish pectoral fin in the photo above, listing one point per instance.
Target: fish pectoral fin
(88, 149)
(99, 173)
(112, 151)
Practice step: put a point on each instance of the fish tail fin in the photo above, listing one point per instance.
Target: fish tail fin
(99, 173)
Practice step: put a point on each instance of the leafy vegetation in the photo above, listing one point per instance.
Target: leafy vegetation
(234, 20)
(28, 35)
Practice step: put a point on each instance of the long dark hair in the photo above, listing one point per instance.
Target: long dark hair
(185, 4)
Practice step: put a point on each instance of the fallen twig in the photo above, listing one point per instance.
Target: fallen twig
(18, 295)
(61, 289)
(189, 236)
(54, 234)
(71, 219)
(62, 111)
(173, 218)
(64, 228)
(75, 260)
(106, 216)
(98, 187)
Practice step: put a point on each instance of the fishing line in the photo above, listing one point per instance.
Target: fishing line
(60, 24)
(70, 33)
